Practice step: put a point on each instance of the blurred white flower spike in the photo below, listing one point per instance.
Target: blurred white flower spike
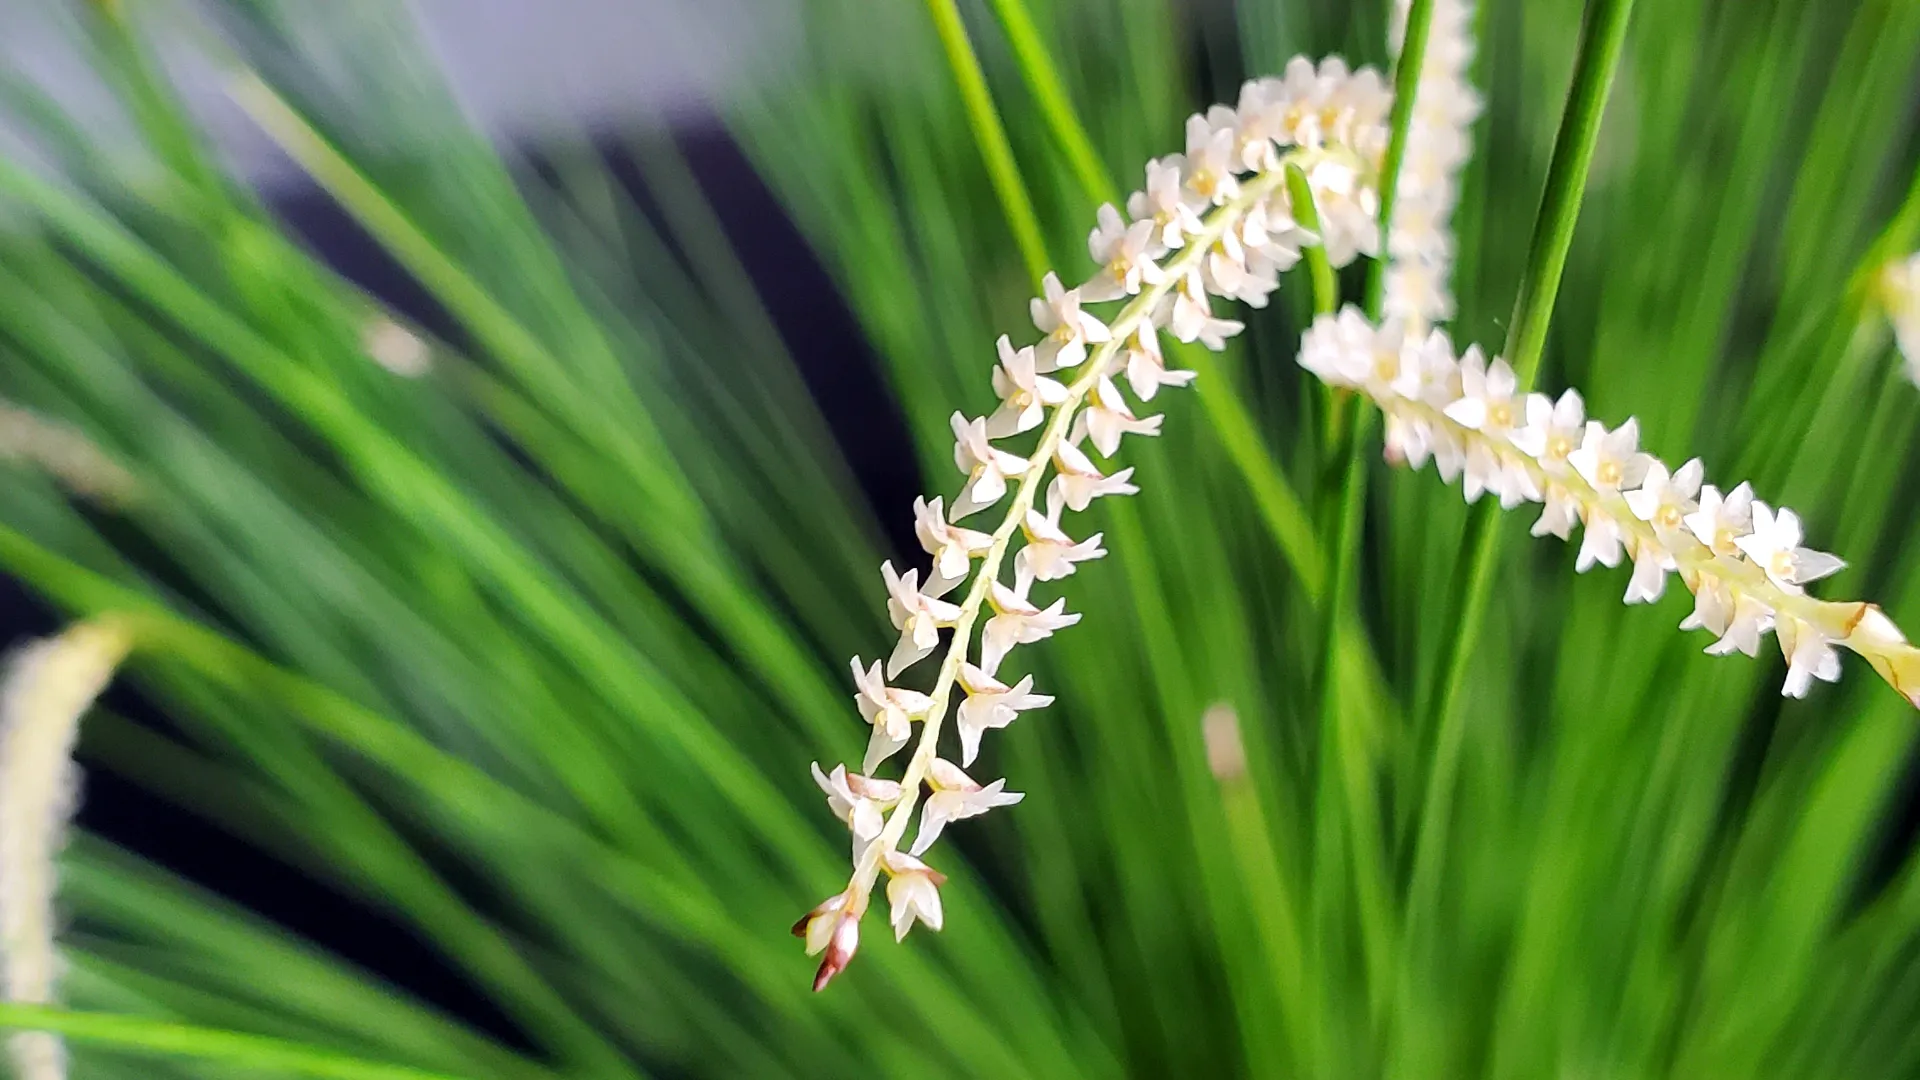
(1216, 221)
(49, 685)
(1742, 559)
(1900, 295)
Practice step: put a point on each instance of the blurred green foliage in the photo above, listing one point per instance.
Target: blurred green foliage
(530, 654)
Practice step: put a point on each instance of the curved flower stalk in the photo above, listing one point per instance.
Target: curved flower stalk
(49, 685)
(1420, 243)
(1215, 221)
(1900, 295)
(1742, 560)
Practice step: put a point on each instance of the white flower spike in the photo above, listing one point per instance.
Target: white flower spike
(1743, 562)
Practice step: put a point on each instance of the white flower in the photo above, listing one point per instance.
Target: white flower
(1068, 330)
(916, 615)
(1561, 511)
(1712, 605)
(951, 546)
(1349, 212)
(991, 704)
(1025, 396)
(1297, 96)
(1420, 231)
(1600, 542)
(1225, 272)
(860, 801)
(1126, 255)
(1107, 417)
(1347, 350)
(1664, 500)
(1331, 103)
(1210, 159)
(1189, 317)
(1508, 480)
(831, 928)
(1018, 621)
(1272, 237)
(1749, 617)
(1166, 202)
(1050, 553)
(1720, 521)
(1077, 481)
(1651, 563)
(955, 797)
(1146, 366)
(1483, 472)
(1810, 654)
(1415, 290)
(1553, 430)
(1338, 349)
(987, 467)
(1261, 117)
(1611, 460)
(890, 709)
(1774, 546)
(1487, 403)
(1428, 375)
(913, 891)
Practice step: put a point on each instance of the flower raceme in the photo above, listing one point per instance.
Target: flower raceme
(1215, 221)
(1742, 559)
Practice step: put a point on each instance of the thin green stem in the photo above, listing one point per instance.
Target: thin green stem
(1345, 775)
(228, 1048)
(1345, 769)
(991, 136)
(1280, 507)
(1326, 287)
(1600, 48)
(1406, 87)
(1043, 79)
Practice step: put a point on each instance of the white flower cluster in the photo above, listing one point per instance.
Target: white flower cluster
(1418, 289)
(49, 685)
(1215, 221)
(1742, 559)
(1900, 295)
